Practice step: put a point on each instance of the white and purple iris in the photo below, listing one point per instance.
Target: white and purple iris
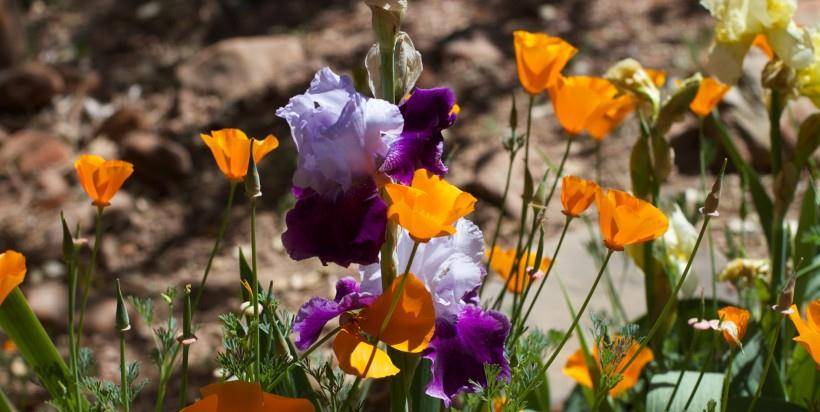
(344, 140)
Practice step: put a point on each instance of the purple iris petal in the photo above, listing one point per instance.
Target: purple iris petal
(426, 113)
(314, 314)
(343, 229)
(462, 347)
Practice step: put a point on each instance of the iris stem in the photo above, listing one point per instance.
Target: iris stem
(304, 355)
(769, 357)
(667, 307)
(226, 214)
(254, 295)
(574, 320)
(549, 270)
(89, 272)
(124, 398)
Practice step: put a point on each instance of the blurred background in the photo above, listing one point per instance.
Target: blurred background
(139, 80)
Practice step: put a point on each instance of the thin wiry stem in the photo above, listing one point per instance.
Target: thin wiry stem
(89, 273)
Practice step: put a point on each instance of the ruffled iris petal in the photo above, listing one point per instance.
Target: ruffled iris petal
(314, 314)
(343, 229)
(461, 348)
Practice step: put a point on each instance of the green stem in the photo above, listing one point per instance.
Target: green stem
(700, 377)
(304, 355)
(73, 353)
(388, 72)
(255, 296)
(527, 137)
(125, 401)
(186, 334)
(226, 214)
(5, 403)
(575, 320)
(500, 216)
(775, 136)
(89, 273)
(669, 302)
(560, 170)
(724, 398)
(769, 357)
(686, 360)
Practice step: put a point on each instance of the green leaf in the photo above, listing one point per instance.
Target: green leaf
(802, 376)
(677, 105)
(640, 168)
(808, 140)
(664, 157)
(804, 249)
(662, 385)
(748, 367)
(419, 400)
(576, 402)
(763, 405)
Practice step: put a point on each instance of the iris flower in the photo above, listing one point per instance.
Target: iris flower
(429, 207)
(502, 264)
(100, 178)
(12, 272)
(710, 93)
(734, 321)
(808, 78)
(245, 396)
(231, 149)
(808, 330)
(540, 59)
(577, 369)
(576, 195)
(626, 220)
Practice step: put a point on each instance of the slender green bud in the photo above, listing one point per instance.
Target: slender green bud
(710, 205)
(123, 322)
(68, 241)
(187, 337)
(540, 199)
(253, 187)
(513, 115)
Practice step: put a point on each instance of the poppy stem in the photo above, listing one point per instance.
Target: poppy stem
(527, 137)
(769, 357)
(577, 317)
(255, 295)
(304, 355)
(500, 217)
(709, 240)
(686, 360)
(226, 214)
(700, 375)
(89, 273)
(724, 398)
(186, 334)
(124, 398)
(546, 275)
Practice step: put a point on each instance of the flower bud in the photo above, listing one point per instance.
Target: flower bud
(408, 66)
(778, 76)
(123, 322)
(253, 188)
(69, 248)
(710, 205)
(387, 18)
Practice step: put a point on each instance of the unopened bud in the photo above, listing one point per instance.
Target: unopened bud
(784, 304)
(710, 205)
(513, 115)
(778, 76)
(387, 18)
(408, 67)
(69, 248)
(253, 187)
(123, 322)
(247, 309)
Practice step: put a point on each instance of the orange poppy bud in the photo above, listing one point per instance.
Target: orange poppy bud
(580, 101)
(245, 396)
(626, 220)
(734, 321)
(232, 150)
(577, 194)
(576, 368)
(100, 178)
(12, 272)
(710, 93)
(540, 59)
(428, 207)
(808, 330)
(761, 43)
(502, 264)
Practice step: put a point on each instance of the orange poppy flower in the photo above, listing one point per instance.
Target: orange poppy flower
(410, 330)
(808, 330)
(761, 43)
(734, 321)
(12, 272)
(580, 101)
(626, 220)
(540, 59)
(576, 195)
(710, 93)
(612, 116)
(576, 368)
(232, 148)
(245, 396)
(428, 207)
(100, 178)
(502, 264)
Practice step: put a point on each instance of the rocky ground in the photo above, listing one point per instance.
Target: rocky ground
(139, 80)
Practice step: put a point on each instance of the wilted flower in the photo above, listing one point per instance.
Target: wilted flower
(626, 220)
(12, 272)
(679, 241)
(429, 207)
(808, 330)
(245, 396)
(630, 77)
(540, 59)
(743, 269)
(231, 149)
(408, 66)
(733, 322)
(581, 101)
(503, 262)
(577, 369)
(100, 178)
(576, 195)
(710, 93)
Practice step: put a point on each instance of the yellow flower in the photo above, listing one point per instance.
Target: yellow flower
(734, 321)
(745, 269)
(428, 207)
(808, 330)
(232, 150)
(576, 368)
(710, 93)
(245, 396)
(581, 101)
(808, 79)
(12, 272)
(100, 178)
(502, 264)
(626, 220)
(540, 59)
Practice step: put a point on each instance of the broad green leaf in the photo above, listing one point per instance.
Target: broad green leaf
(748, 368)
(763, 405)
(640, 168)
(808, 140)
(803, 377)
(805, 250)
(663, 155)
(677, 105)
(662, 385)
(419, 400)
